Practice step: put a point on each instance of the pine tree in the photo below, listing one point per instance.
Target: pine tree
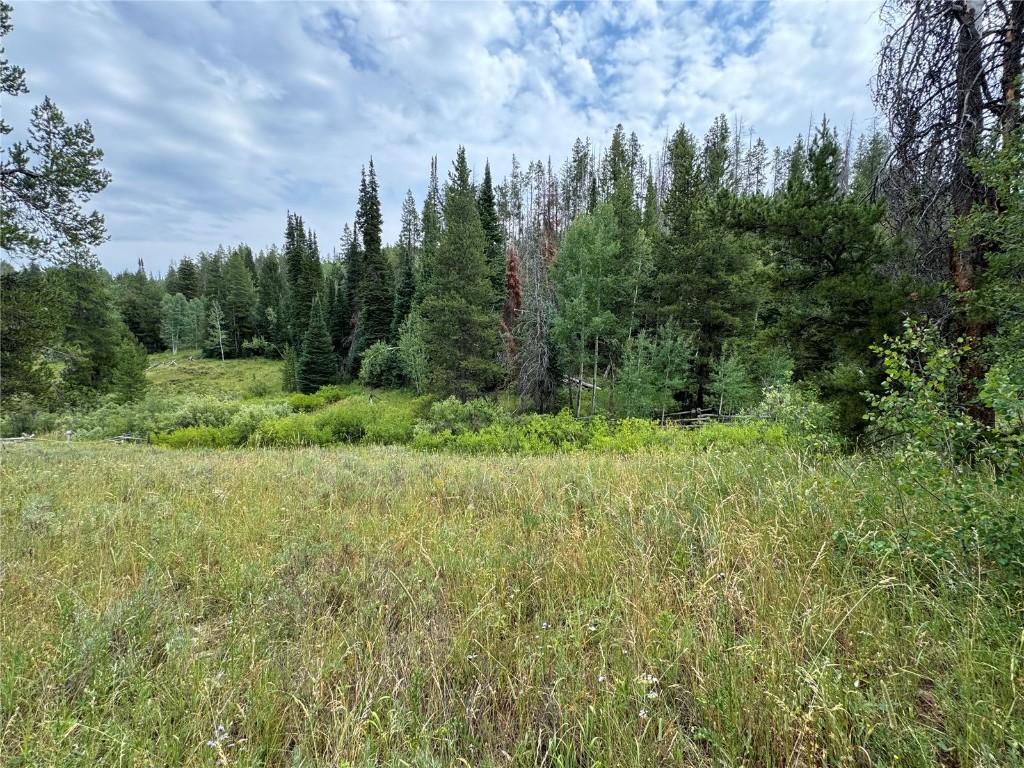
(35, 310)
(459, 319)
(833, 302)
(409, 248)
(239, 301)
(494, 252)
(188, 279)
(376, 301)
(268, 322)
(303, 274)
(315, 366)
(432, 223)
(138, 301)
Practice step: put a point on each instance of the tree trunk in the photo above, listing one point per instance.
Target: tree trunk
(1013, 65)
(967, 260)
(593, 392)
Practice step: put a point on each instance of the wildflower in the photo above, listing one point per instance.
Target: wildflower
(719, 576)
(545, 625)
(592, 628)
(471, 657)
(650, 679)
(643, 713)
(652, 695)
(601, 678)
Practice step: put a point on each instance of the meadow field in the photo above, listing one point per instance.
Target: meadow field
(381, 606)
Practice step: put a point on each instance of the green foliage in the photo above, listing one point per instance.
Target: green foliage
(941, 451)
(45, 179)
(413, 353)
(382, 367)
(139, 304)
(239, 300)
(459, 318)
(316, 366)
(289, 370)
(128, 378)
(216, 339)
(375, 298)
(174, 320)
(322, 397)
(999, 296)
(34, 313)
(730, 384)
(351, 420)
(589, 285)
(653, 370)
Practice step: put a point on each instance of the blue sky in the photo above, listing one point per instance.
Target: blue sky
(217, 118)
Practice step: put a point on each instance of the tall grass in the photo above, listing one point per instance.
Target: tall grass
(380, 606)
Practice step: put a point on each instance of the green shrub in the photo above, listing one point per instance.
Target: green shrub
(382, 367)
(198, 437)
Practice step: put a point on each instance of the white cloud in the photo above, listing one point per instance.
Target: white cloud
(216, 119)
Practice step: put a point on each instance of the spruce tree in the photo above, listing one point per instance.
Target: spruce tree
(315, 366)
(459, 318)
(188, 279)
(494, 252)
(239, 301)
(432, 222)
(409, 245)
(268, 322)
(376, 300)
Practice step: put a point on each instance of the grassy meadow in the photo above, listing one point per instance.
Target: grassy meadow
(380, 606)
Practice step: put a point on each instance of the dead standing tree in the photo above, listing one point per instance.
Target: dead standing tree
(948, 81)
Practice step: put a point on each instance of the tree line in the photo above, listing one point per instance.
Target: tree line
(693, 276)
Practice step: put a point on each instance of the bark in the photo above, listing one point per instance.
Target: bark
(967, 259)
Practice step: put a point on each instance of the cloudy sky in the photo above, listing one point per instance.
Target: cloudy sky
(217, 118)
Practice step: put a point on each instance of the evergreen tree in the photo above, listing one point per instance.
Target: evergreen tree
(459, 319)
(315, 367)
(192, 337)
(432, 222)
(353, 278)
(239, 301)
(303, 275)
(409, 246)
(128, 381)
(375, 298)
(34, 314)
(494, 252)
(171, 280)
(833, 302)
(95, 337)
(268, 322)
(45, 178)
(338, 314)
(188, 284)
(138, 300)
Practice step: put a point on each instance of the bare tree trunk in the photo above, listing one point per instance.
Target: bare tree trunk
(967, 260)
(1013, 64)
(593, 392)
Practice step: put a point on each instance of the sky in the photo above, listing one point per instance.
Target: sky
(216, 118)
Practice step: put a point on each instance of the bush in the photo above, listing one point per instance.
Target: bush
(382, 367)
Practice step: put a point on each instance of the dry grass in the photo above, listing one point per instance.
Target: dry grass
(388, 607)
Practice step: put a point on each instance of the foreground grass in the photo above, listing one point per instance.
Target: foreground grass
(387, 607)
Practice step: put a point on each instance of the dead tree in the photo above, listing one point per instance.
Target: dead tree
(948, 83)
